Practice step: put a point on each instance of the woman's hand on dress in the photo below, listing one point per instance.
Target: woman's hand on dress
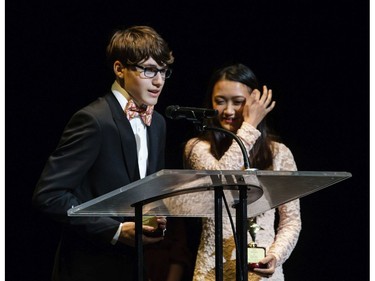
(258, 106)
(127, 235)
(270, 260)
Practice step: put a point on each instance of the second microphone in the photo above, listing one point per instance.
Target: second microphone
(190, 113)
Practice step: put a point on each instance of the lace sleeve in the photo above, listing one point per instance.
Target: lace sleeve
(289, 225)
(199, 157)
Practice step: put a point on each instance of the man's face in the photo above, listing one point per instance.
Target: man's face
(142, 89)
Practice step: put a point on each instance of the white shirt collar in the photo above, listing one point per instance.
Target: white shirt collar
(120, 93)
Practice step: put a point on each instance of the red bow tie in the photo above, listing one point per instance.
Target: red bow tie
(132, 110)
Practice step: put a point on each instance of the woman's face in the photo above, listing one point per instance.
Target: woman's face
(229, 98)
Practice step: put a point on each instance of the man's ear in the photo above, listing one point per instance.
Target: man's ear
(117, 68)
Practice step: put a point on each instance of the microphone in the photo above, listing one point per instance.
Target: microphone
(189, 113)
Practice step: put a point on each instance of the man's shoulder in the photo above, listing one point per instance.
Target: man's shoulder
(96, 109)
(100, 103)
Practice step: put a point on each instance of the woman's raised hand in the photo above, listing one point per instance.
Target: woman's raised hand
(258, 106)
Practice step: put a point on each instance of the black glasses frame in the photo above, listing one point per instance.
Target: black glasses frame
(151, 72)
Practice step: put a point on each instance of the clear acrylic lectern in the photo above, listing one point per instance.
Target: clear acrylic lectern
(196, 193)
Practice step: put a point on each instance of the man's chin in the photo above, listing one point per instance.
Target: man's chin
(150, 102)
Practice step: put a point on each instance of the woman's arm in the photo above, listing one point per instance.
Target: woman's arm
(199, 157)
(289, 225)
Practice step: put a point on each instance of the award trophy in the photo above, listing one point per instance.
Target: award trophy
(151, 221)
(254, 253)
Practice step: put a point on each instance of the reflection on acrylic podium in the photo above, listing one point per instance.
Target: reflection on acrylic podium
(199, 193)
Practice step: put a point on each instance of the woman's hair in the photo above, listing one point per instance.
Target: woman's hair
(261, 154)
(135, 44)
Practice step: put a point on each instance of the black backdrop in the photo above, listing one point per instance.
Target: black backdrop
(314, 54)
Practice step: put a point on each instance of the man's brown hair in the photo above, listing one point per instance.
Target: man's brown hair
(135, 44)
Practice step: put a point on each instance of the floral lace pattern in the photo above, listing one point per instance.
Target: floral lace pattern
(281, 244)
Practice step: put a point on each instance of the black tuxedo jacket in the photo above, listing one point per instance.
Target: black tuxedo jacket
(96, 154)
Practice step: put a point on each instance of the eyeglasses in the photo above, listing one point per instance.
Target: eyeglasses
(151, 72)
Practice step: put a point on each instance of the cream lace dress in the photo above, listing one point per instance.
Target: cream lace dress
(289, 225)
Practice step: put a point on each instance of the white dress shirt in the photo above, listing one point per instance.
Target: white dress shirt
(140, 133)
(139, 129)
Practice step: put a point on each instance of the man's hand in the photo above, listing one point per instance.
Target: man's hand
(127, 235)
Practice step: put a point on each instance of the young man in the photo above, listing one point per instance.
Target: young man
(110, 143)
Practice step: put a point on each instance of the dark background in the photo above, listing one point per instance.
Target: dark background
(314, 54)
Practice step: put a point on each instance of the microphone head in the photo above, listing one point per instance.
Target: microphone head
(171, 110)
(189, 113)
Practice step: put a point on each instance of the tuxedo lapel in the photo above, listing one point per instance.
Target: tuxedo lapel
(152, 148)
(156, 140)
(128, 143)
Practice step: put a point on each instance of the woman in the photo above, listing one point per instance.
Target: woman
(233, 91)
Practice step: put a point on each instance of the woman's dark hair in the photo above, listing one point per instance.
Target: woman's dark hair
(261, 154)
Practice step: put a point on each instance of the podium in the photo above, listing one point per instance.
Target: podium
(200, 193)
